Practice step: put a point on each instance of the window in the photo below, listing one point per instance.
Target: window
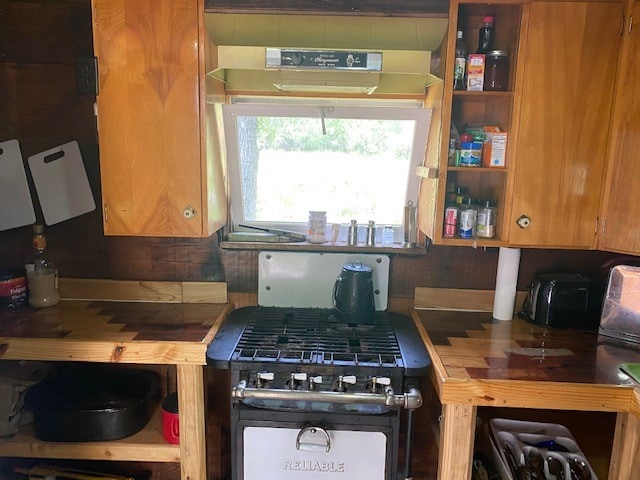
(353, 161)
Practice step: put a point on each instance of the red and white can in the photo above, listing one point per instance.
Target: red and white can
(451, 214)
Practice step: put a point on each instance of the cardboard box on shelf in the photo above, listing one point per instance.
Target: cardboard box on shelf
(495, 147)
(475, 72)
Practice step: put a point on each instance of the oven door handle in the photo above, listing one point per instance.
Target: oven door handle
(412, 399)
(307, 446)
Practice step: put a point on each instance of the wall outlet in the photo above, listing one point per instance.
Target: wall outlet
(87, 76)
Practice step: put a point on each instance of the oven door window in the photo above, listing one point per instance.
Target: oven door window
(352, 161)
(312, 452)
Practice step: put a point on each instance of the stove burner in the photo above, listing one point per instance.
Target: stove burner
(316, 336)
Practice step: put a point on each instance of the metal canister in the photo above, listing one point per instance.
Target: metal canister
(410, 225)
(352, 238)
(371, 233)
(451, 214)
(468, 218)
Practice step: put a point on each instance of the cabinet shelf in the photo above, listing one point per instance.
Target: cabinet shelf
(478, 169)
(145, 446)
(482, 96)
(476, 242)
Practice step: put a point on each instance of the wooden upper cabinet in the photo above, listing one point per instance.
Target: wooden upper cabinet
(161, 172)
(568, 61)
(620, 230)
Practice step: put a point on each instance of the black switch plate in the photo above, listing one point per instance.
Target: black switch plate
(87, 76)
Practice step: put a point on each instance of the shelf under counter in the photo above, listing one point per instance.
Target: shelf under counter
(145, 446)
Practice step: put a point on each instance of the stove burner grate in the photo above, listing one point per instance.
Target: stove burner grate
(316, 336)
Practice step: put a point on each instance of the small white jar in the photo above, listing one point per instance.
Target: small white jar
(317, 227)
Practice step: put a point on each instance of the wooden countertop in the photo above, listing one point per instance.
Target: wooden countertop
(105, 331)
(479, 361)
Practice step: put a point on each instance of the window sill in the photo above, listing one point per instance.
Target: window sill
(339, 247)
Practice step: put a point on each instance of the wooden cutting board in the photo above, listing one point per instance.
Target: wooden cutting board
(15, 197)
(61, 183)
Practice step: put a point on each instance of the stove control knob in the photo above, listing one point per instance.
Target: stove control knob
(313, 381)
(377, 384)
(262, 378)
(295, 380)
(340, 383)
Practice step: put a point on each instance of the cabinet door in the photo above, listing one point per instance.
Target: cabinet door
(621, 209)
(568, 61)
(148, 116)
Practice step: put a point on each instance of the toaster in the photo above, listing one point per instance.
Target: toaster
(563, 300)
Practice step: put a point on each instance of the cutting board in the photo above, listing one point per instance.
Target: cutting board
(15, 198)
(61, 183)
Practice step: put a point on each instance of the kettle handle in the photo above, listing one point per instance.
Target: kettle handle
(335, 291)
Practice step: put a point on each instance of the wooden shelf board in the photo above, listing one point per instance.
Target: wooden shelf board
(478, 242)
(481, 96)
(478, 169)
(339, 247)
(145, 446)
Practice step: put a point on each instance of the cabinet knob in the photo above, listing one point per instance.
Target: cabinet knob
(523, 221)
(189, 213)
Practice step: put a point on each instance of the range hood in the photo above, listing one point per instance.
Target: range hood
(327, 54)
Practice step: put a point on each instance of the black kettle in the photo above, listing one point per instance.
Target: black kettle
(353, 294)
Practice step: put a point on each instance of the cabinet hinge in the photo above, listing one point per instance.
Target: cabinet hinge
(595, 232)
(105, 213)
(604, 227)
(630, 24)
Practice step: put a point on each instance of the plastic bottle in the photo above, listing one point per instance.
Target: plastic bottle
(42, 275)
(460, 63)
(387, 236)
(485, 36)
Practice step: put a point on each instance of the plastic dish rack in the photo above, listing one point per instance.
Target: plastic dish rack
(514, 438)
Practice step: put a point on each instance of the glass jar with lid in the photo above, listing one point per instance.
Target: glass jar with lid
(496, 74)
(486, 225)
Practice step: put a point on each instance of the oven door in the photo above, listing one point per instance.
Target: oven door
(284, 450)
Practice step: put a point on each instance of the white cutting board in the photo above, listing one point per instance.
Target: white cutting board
(16, 207)
(61, 183)
(305, 279)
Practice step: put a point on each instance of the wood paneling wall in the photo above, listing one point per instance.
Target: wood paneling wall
(39, 43)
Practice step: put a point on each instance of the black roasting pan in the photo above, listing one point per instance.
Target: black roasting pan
(88, 404)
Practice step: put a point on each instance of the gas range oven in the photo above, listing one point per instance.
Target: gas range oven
(313, 396)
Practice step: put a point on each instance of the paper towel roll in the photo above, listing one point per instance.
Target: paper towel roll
(506, 283)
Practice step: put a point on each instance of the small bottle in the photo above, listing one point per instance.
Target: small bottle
(486, 227)
(460, 63)
(352, 238)
(468, 219)
(371, 233)
(485, 36)
(316, 227)
(42, 275)
(387, 236)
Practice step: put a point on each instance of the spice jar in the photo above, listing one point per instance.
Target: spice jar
(486, 227)
(496, 74)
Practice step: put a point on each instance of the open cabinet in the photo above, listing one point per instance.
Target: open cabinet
(463, 108)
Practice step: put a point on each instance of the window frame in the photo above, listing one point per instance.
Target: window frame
(321, 109)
